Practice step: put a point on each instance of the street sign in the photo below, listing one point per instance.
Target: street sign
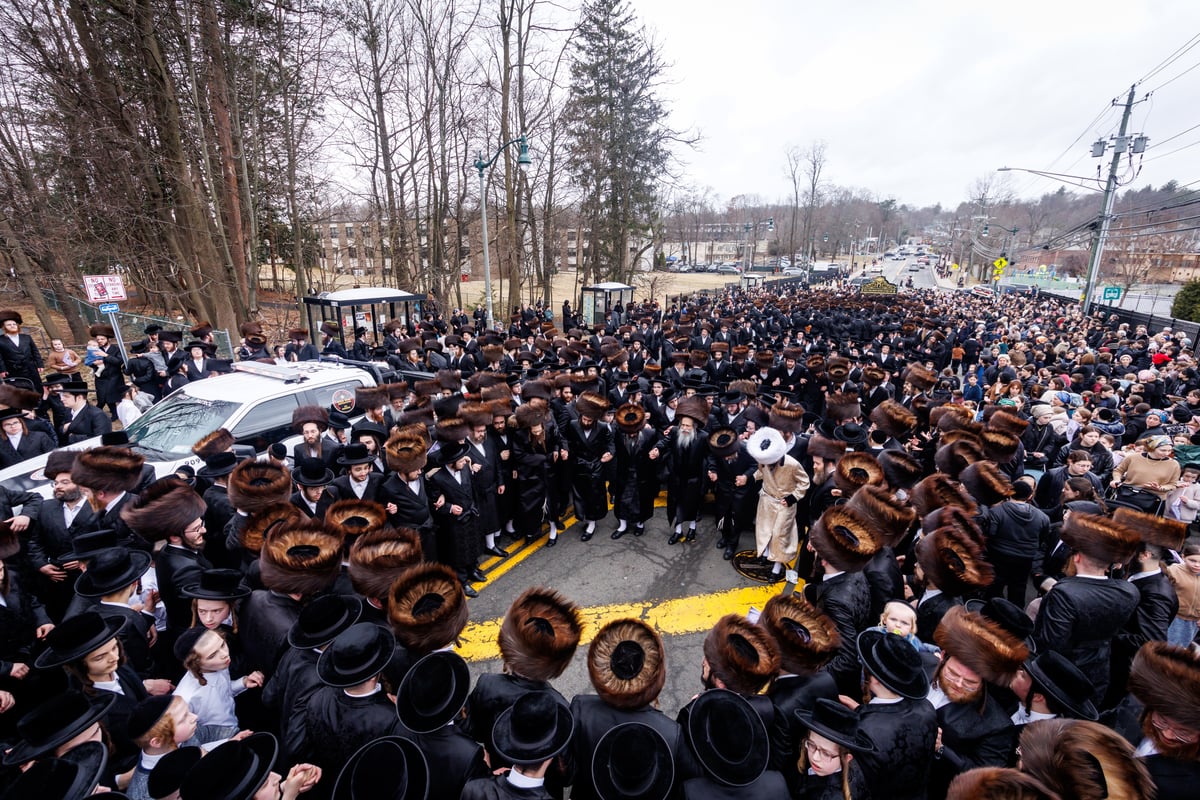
(109, 308)
(1112, 292)
(1000, 263)
(104, 288)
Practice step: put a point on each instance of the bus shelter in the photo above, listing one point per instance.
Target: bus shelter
(751, 281)
(599, 298)
(367, 307)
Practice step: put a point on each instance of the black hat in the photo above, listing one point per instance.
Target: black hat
(219, 464)
(354, 453)
(323, 620)
(187, 640)
(76, 636)
(433, 691)
(146, 713)
(632, 761)
(894, 662)
(1063, 684)
(391, 767)
(56, 722)
(116, 439)
(852, 433)
(357, 654)
(338, 421)
(1007, 615)
(449, 452)
(728, 736)
(535, 728)
(218, 584)
(313, 472)
(836, 723)
(71, 776)
(152, 328)
(91, 544)
(167, 775)
(111, 571)
(234, 771)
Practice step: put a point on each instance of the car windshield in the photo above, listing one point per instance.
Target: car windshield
(175, 424)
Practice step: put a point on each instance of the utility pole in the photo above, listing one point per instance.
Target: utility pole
(1120, 146)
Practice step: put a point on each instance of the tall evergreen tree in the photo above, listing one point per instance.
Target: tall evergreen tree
(617, 135)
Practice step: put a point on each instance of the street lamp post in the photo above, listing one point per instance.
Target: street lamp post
(751, 229)
(523, 161)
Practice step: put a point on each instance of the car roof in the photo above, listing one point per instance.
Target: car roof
(252, 379)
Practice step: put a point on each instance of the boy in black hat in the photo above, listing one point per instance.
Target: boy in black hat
(106, 587)
(313, 479)
(453, 501)
(351, 709)
(528, 735)
(85, 420)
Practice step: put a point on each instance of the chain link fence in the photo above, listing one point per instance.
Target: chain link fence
(133, 326)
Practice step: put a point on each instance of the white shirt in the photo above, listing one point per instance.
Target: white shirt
(524, 781)
(113, 502)
(71, 512)
(213, 703)
(936, 697)
(359, 487)
(15, 441)
(884, 701)
(1023, 717)
(113, 686)
(929, 595)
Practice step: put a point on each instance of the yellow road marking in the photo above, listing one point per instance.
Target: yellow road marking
(674, 617)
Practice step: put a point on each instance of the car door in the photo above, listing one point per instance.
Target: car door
(267, 422)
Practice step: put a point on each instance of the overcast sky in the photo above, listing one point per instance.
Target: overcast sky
(917, 99)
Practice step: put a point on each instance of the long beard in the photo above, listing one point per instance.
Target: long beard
(683, 441)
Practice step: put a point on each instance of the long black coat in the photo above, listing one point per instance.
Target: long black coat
(735, 504)
(1157, 606)
(35, 443)
(1079, 618)
(22, 359)
(904, 734)
(178, 567)
(635, 479)
(685, 475)
(978, 735)
(412, 510)
(493, 693)
(266, 617)
(217, 513)
(453, 758)
(846, 598)
(585, 450)
(485, 481)
(286, 695)
(884, 578)
(930, 613)
(791, 693)
(20, 617)
(89, 422)
(533, 472)
(336, 725)
(594, 718)
(459, 542)
(110, 383)
(769, 784)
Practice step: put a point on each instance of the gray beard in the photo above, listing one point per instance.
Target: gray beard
(684, 439)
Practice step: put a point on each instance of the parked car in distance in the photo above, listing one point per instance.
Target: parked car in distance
(984, 292)
(729, 269)
(917, 266)
(792, 271)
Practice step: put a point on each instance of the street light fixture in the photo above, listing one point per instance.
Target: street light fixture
(523, 162)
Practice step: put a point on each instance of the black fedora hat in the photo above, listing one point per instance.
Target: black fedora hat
(433, 691)
(894, 662)
(168, 774)
(338, 421)
(116, 439)
(218, 584)
(852, 434)
(358, 654)
(632, 761)
(91, 544)
(234, 771)
(322, 620)
(75, 637)
(355, 453)
(391, 767)
(112, 571)
(219, 464)
(449, 452)
(55, 722)
(836, 723)
(1063, 684)
(728, 737)
(313, 472)
(535, 728)
(71, 776)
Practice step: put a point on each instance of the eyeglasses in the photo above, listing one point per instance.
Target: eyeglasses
(196, 527)
(951, 675)
(814, 750)
(1168, 730)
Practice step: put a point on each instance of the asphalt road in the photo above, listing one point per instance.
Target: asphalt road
(681, 589)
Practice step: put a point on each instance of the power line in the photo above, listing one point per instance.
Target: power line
(1171, 152)
(1172, 138)
(1171, 59)
(1177, 77)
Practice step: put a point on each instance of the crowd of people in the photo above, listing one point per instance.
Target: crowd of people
(992, 504)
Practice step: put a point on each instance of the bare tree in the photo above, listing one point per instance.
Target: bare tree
(814, 168)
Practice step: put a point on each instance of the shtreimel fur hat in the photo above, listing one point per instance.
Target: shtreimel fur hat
(406, 451)
(982, 645)
(166, 508)
(627, 664)
(806, 637)
(1169, 533)
(1166, 678)
(539, 634)
(997, 783)
(379, 557)
(741, 654)
(1100, 538)
(427, 608)
(1083, 761)
(844, 539)
(893, 419)
(300, 559)
(877, 506)
(254, 485)
(109, 469)
(210, 444)
(953, 560)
